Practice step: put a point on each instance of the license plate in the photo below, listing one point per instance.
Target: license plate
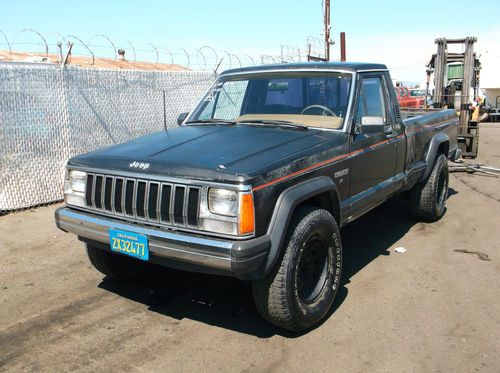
(129, 243)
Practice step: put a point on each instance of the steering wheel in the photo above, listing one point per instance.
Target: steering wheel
(326, 111)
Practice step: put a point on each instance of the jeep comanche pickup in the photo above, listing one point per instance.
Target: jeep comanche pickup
(257, 180)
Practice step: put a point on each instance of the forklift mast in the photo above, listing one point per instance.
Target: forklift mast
(468, 132)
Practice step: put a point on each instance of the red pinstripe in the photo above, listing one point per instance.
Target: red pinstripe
(339, 157)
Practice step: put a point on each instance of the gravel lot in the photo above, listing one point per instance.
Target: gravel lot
(428, 309)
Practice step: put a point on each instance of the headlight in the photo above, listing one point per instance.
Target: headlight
(227, 211)
(74, 188)
(77, 181)
(223, 201)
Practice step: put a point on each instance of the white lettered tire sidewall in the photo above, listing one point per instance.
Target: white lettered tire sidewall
(309, 314)
(277, 297)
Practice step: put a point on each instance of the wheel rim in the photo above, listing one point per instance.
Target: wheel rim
(312, 270)
(442, 188)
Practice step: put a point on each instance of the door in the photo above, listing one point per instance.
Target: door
(374, 155)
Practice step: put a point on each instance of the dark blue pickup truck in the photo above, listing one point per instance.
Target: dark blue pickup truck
(257, 181)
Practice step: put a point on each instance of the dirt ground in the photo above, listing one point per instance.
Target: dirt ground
(430, 309)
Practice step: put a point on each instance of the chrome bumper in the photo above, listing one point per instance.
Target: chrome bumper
(241, 259)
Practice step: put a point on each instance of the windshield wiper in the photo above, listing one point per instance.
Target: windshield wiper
(281, 123)
(205, 121)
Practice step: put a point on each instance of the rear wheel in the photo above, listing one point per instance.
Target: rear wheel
(300, 291)
(428, 199)
(117, 266)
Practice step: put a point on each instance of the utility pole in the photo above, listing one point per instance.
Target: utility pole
(342, 47)
(327, 30)
(328, 42)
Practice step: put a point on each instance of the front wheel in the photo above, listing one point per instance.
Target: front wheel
(428, 199)
(300, 291)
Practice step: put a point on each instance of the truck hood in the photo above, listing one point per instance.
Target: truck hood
(233, 153)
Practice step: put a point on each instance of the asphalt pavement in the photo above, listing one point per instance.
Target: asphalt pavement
(433, 308)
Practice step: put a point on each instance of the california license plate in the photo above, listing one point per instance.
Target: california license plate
(129, 243)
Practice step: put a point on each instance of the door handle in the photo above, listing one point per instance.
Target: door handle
(391, 135)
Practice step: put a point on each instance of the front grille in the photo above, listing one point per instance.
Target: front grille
(144, 200)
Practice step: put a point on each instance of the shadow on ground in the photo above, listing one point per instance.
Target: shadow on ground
(226, 302)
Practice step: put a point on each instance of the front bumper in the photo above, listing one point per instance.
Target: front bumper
(241, 259)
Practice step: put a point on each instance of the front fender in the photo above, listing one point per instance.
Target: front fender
(285, 207)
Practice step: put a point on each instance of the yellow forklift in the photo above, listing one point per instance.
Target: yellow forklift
(456, 86)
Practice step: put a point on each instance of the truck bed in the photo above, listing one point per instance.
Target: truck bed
(407, 113)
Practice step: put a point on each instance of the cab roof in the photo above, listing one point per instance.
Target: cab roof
(346, 66)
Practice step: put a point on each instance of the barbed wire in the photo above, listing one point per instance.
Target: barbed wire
(290, 53)
(8, 43)
(108, 39)
(101, 46)
(188, 64)
(315, 47)
(85, 45)
(60, 38)
(35, 32)
(199, 53)
(252, 61)
(167, 51)
(267, 59)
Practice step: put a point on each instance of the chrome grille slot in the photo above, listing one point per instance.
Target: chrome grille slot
(166, 194)
(129, 197)
(153, 201)
(179, 195)
(89, 191)
(193, 206)
(108, 189)
(98, 192)
(141, 199)
(144, 200)
(118, 195)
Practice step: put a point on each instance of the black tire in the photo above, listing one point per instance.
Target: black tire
(117, 266)
(428, 199)
(300, 291)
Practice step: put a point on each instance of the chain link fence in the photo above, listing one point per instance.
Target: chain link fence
(49, 113)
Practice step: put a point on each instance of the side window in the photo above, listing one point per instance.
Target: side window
(371, 100)
(208, 109)
(229, 99)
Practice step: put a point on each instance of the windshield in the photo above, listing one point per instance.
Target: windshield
(310, 99)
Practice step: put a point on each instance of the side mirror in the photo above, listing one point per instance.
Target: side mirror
(181, 118)
(372, 124)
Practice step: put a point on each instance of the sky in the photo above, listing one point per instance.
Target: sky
(398, 33)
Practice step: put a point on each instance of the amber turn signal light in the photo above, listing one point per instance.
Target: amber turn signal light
(247, 219)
